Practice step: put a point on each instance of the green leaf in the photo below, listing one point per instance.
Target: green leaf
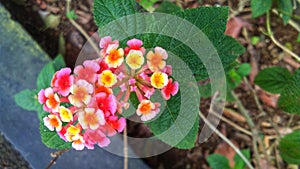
(51, 139)
(71, 15)
(167, 120)
(168, 7)
(41, 113)
(244, 69)
(289, 148)
(106, 11)
(147, 3)
(259, 7)
(273, 79)
(217, 161)
(238, 162)
(298, 38)
(45, 76)
(255, 40)
(210, 20)
(27, 99)
(286, 9)
(289, 99)
(59, 62)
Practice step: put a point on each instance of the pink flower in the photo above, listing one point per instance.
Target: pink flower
(170, 89)
(105, 42)
(81, 93)
(88, 72)
(134, 44)
(62, 81)
(117, 124)
(123, 87)
(49, 99)
(95, 137)
(90, 118)
(107, 103)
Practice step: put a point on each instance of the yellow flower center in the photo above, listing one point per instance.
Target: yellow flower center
(159, 80)
(107, 78)
(65, 114)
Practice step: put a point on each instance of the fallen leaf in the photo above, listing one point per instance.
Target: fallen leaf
(267, 98)
(235, 25)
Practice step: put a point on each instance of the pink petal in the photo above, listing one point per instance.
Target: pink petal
(41, 96)
(78, 69)
(48, 92)
(63, 72)
(104, 42)
(161, 51)
(175, 88)
(92, 65)
(134, 43)
(122, 124)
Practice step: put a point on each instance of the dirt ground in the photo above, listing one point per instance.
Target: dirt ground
(260, 55)
(9, 157)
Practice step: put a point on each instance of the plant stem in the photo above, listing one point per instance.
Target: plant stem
(237, 150)
(274, 125)
(255, 133)
(291, 22)
(56, 156)
(232, 123)
(81, 30)
(125, 148)
(277, 43)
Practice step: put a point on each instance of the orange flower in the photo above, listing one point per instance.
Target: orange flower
(90, 118)
(115, 57)
(81, 93)
(78, 143)
(52, 121)
(155, 60)
(159, 80)
(147, 110)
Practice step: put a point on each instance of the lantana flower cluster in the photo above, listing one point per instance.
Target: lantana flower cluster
(82, 106)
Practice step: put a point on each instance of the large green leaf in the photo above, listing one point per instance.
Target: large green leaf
(290, 148)
(210, 20)
(51, 138)
(45, 76)
(289, 99)
(273, 79)
(259, 7)
(217, 161)
(27, 99)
